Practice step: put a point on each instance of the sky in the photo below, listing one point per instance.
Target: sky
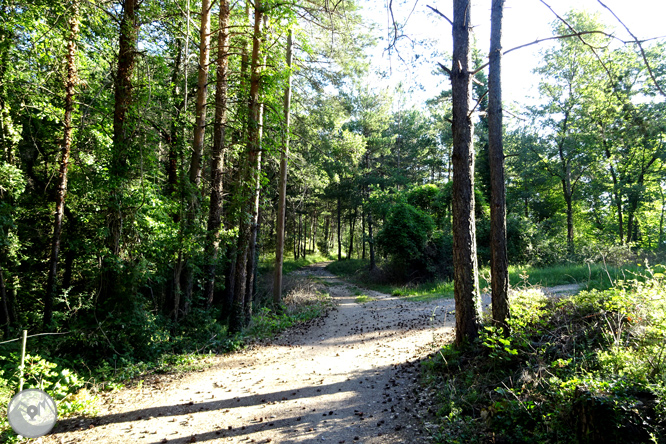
(524, 22)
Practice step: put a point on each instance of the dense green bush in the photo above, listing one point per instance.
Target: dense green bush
(591, 368)
(405, 236)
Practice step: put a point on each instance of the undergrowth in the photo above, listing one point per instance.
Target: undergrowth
(587, 369)
(587, 276)
(74, 384)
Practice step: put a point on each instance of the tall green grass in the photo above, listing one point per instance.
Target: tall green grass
(267, 263)
(588, 276)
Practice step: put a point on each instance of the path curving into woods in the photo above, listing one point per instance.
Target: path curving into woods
(349, 377)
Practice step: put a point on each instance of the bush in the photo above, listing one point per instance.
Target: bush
(405, 235)
(591, 368)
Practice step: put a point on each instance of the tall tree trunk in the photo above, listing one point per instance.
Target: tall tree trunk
(250, 163)
(617, 200)
(327, 233)
(282, 184)
(352, 223)
(253, 251)
(499, 263)
(363, 237)
(568, 198)
(61, 190)
(192, 192)
(172, 140)
(6, 40)
(119, 166)
(371, 242)
(466, 280)
(5, 313)
(217, 159)
(202, 89)
(631, 218)
(299, 238)
(315, 222)
(339, 229)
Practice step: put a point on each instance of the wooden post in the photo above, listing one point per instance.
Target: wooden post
(22, 366)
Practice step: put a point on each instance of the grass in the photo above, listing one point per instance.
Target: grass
(362, 299)
(589, 276)
(348, 267)
(267, 263)
(354, 270)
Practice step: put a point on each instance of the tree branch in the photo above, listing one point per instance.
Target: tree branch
(647, 64)
(445, 69)
(592, 48)
(439, 13)
(557, 37)
(477, 103)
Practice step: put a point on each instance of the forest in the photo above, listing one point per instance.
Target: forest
(162, 162)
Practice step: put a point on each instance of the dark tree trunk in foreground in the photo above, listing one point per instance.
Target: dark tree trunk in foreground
(352, 223)
(466, 282)
(282, 184)
(246, 184)
(252, 255)
(339, 228)
(202, 89)
(5, 312)
(217, 155)
(192, 192)
(172, 137)
(499, 263)
(61, 191)
(119, 168)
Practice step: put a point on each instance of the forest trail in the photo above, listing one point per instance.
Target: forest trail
(349, 377)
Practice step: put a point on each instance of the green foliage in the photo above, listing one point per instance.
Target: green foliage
(356, 271)
(67, 388)
(364, 298)
(589, 368)
(347, 267)
(299, 309)
(405, 235)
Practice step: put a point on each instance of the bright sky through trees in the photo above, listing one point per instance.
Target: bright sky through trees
(427, 38)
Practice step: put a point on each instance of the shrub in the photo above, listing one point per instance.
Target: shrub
(590, 368)
(405, 235)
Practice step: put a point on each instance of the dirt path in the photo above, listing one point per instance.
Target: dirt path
(349, 378)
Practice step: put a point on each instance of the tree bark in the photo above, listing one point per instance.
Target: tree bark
(61, 190)
(499, 263)
(339, 228)
(254, 227)
(217, 159)
(202, 89)
(5, 314)
(172, 138)
(363, 238)
(192, 192)
(371, 240)
(6, 40)
(466, 283)
(119, 166)
(250, 162)
(282, 184)
(352, 223)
